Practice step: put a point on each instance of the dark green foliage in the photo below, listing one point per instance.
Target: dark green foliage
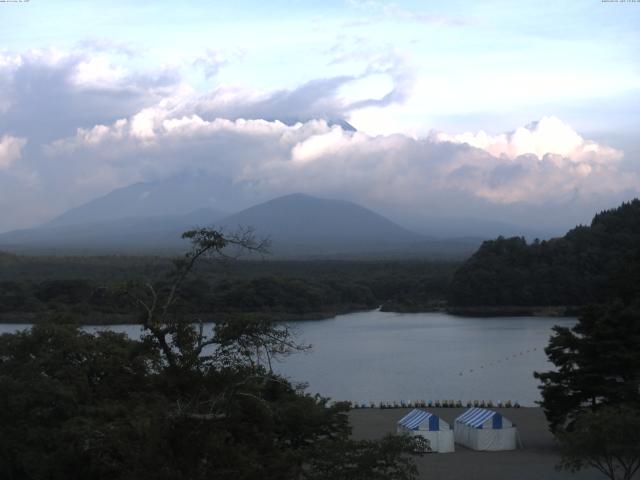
(607, 439)
(273, 289)
(363, 460)
(592, 398)
(597, 363)
(63, 291)
(71, 401)
(77, 406)
(182, 403)
(290, 295)
(589, 264)
(13, 296)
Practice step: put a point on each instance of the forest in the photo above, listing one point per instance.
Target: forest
(32, 288)
(590, 264)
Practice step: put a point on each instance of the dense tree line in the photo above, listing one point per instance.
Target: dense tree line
(589, 264)
(592, 397)
(278, 288)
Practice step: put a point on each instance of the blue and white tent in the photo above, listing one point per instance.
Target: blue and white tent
(429, 426)
(481, 429)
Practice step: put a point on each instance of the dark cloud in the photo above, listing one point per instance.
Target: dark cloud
(314, 99)
(45, 97)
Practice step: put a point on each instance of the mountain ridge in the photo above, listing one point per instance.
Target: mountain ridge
(178, 195)
(298, 225)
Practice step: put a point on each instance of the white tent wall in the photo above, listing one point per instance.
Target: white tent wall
(440, 441)
(485, 430)
(429, 426)
(461, 434)
(486, 440)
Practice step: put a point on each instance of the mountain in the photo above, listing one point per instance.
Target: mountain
(300, 224)
(297, 225)
(156, 234)
(589, 264)
(150, 217)
(178, 195)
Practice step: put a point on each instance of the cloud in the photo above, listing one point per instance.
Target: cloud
(83, 125)
(314, 99)
(320, 158)
(401, 74)
(47, 94)
(65, 104)
(98, 73)
(547, 136)
(101, 45)
(213, 60)
(319, 98)
(10, 150)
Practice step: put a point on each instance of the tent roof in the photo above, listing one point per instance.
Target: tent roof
(475, 417)
(415, 418)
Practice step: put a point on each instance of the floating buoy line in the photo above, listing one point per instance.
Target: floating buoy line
(453, 403)
(435, 404)
(501, 360)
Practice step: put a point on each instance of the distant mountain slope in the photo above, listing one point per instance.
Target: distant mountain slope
(177, 195)
(297, 225)
(478, 227)
(133, 220)
(125, 235)
(589, 264)
(301, 224)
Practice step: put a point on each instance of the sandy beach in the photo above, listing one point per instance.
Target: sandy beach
(535, 461)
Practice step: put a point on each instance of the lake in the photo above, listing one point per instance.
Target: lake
(380, 356)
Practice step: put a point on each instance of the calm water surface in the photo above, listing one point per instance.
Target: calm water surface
(378, 356)
(374, 356)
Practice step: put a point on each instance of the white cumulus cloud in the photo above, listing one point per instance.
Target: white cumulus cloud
(550, 135)
(544, 162)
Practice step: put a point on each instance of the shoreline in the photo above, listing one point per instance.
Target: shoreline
(102, 318)
(515, 311)
(109, 319)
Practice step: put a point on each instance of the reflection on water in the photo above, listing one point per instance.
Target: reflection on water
(378, 356)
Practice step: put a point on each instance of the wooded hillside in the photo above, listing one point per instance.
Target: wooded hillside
(589, 264)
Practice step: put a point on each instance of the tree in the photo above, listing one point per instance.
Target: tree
(588, 264)
(363, 460)
(179, 341)
(607, 439)
(597, 363)
(75, 405)
(182, 403)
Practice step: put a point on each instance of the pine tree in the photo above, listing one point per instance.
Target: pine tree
(597, 361)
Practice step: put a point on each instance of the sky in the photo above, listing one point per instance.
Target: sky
(522, 112)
